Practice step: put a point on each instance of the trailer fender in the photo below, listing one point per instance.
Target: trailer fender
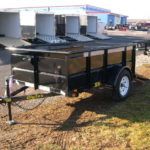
(113, 74)
(120, 71)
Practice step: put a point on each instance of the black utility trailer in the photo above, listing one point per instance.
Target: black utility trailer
(75, 67)
(69, 69)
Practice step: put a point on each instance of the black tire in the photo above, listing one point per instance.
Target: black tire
(117, 92)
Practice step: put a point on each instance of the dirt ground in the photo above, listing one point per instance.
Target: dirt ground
(90, 122)
(143, 66)
(128, 33)
(143, 71)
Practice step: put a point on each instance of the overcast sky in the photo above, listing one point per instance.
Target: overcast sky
(137, 9)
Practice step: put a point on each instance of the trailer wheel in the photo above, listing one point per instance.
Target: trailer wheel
(123, 87)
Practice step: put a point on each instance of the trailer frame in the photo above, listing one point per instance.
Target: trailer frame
(107, 74)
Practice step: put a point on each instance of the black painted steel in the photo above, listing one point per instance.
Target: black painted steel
(19, 90)
(51, 69)
(133, 60)
(75, 66)
(9, 103)
(105, 65)
(35, 62)
(64, 69)
(124, 55)
(88, 71)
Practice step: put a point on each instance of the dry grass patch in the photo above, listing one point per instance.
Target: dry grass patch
(91, 122)
(143, 71)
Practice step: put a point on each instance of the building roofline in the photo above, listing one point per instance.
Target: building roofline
(46, 6)
(118, 14)
(99, 7)
(8, 11)
(97, 12)
(85, 5)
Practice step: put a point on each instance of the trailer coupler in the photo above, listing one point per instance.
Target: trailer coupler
(12, 98)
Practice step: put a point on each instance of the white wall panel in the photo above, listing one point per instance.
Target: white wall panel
(92, 24)
(73, 24)
(45, 24)
(10, 24)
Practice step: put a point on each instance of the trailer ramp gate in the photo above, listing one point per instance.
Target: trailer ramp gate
(45, 28)
(50, 39)
(99, 36)
(93, 28)
(73, 29)
(79, 37)
(10, 30)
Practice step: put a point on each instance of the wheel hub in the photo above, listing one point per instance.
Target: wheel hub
(124, 86)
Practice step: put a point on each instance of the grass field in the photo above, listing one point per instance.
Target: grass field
(119, 126)
(91, 122)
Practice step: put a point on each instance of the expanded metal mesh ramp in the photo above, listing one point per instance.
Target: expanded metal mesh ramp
(50, 39)
(79, 37)
(12, 42)
(99, 36)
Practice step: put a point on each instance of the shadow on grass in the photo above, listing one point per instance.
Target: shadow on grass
(135, 109)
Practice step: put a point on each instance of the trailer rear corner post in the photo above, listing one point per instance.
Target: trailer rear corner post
(133, 61)
(88, 70)
(146, 49)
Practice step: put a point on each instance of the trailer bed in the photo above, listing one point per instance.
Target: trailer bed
(78, 47)
(12, 42)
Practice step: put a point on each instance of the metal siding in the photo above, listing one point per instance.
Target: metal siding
(68, 10)
(102, 13)
(96, 9)
(103, 18)
(123, 20)
(117, 20)
(111, 20)
(10, 24)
